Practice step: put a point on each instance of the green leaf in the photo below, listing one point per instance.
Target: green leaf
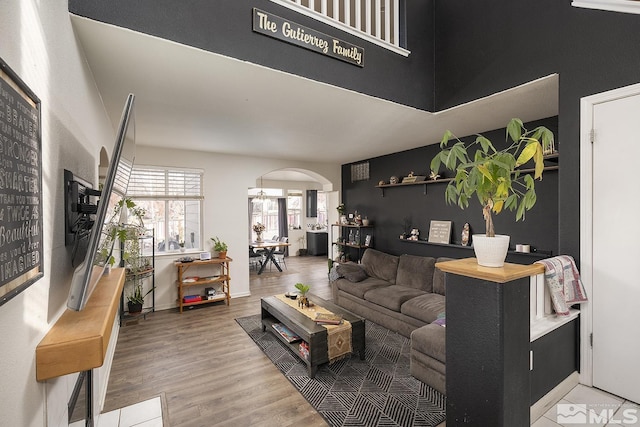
(435, 163)
(445, 138)
(463, 201)
(520, 211)
(529, 182)
(485, 144)
(451, 194)
(512, 202)
(514, 129)
(530, 199)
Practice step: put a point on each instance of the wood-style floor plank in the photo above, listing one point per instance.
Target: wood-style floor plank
(208, 370)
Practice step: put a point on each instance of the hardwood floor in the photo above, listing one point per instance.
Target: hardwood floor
(206, 369)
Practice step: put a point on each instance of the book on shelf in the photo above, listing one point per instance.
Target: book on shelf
(190, 279)
(304, 350)
(328, 319)
(192, 298)
(286, 333)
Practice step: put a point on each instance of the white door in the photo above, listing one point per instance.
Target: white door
(616, 247)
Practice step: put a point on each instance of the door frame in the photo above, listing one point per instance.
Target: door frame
(587, 105)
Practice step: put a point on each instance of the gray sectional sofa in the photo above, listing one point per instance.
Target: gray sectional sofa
(405, 294)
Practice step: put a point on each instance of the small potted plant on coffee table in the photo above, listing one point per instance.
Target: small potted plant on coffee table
(303, 301)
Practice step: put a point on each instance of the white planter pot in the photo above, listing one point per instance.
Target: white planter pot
(490, 251)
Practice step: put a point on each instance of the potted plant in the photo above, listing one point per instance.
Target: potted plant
(494, 178)
(220, 247)
(302, 298)
(135, 300)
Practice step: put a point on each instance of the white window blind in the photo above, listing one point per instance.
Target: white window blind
(149, 182)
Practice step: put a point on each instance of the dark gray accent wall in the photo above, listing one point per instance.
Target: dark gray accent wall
(486, 46)
(388, 212)
(225, 27)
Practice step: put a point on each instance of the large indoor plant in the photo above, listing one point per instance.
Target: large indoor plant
(494, 177)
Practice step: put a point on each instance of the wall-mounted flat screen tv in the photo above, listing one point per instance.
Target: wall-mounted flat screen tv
(88, 272)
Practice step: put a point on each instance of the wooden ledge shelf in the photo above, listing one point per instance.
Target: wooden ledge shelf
(78, 340)
(469, 267)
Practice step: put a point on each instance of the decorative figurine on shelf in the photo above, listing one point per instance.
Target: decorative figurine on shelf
(358, 219)
(415, 234)
(381, 182)
(433, 176)
(393, 180)
(465, 234)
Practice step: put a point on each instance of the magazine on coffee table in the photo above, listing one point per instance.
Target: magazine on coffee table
(328, 319)
(286, 333)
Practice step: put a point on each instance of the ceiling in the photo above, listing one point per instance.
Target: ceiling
(198, 100)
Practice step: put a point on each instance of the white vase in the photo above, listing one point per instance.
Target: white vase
(491, 251)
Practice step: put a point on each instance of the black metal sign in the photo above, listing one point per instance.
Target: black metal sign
(290, 32)
(20, 186)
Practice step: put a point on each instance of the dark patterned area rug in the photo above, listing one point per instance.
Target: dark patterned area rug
(377, 391)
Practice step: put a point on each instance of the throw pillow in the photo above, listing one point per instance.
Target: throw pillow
(352, 272)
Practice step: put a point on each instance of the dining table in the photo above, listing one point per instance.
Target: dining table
(268, 247)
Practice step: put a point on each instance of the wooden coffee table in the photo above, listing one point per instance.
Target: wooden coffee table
(276, 311)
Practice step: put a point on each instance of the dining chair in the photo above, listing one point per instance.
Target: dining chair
(255, 258)
(279, 253)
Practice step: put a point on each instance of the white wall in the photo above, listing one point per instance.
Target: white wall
(226, 180)
(37, 42)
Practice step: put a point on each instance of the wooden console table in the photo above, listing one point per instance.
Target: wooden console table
(78, 340)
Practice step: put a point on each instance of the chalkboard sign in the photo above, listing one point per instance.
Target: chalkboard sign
(440, 232)
(20, 186)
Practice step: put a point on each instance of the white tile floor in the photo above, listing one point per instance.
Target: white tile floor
(590, 407)
(143, 414)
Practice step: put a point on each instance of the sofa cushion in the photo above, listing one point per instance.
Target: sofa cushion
(381, 265)
(358, 289)
(351, 271)
(438, 278)
(392, 297)
(424, 307)
(416, 272)
(430, 340)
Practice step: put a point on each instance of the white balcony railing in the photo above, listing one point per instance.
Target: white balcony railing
(377, 21)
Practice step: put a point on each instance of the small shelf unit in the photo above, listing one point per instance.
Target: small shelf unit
(220, 281)
(352, 236)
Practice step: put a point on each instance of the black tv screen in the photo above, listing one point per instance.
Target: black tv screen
(89, 272)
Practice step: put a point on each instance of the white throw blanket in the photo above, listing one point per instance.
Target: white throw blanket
(563, 279)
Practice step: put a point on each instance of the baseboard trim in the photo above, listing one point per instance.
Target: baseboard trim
(550, 399)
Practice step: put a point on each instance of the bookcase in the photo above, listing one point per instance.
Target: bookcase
(203, 281)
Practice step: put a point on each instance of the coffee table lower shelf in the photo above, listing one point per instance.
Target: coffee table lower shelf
(275, 311)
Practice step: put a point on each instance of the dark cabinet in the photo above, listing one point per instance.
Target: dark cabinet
(317, 243)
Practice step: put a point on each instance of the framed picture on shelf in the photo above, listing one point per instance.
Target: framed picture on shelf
(367, 240)
(440, 232)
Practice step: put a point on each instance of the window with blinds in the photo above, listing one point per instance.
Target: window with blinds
(150, 182)
(172, 199)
